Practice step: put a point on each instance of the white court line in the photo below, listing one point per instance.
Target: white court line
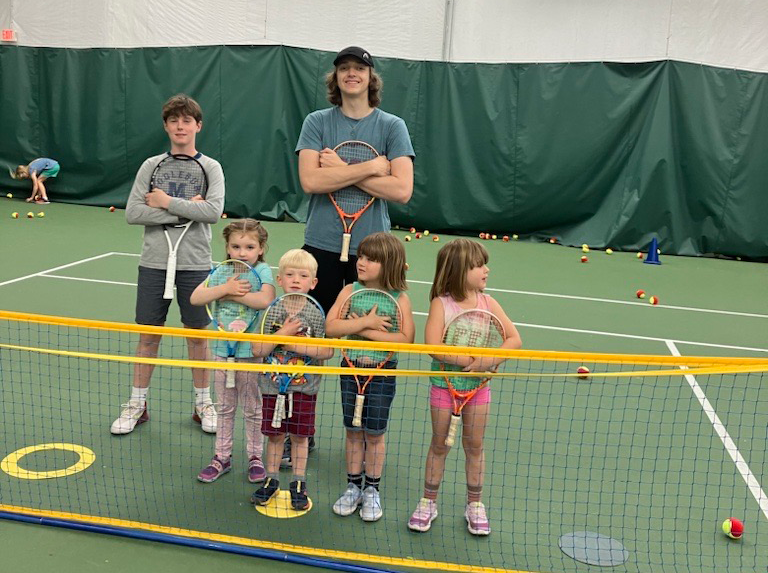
(612, 301)
(49, 276)
(43, 273)
(730, 446)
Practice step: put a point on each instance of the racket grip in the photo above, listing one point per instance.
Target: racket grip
(279, 413)
(450, 439)
(170, 277)
(345, 239)
(229, 375)
(357, 419)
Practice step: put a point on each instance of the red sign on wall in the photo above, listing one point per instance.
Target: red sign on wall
(8, 35)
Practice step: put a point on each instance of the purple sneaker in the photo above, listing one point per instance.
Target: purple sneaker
(256, 471)
(214, 470)
(477, 520)
(425, 514)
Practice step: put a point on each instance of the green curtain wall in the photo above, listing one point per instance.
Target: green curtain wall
(598, 153)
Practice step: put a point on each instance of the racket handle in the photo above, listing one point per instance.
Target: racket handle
(229, 375)
(357, 419)
(170, 277)
(290, 407)
(279, 413)
(345, 239)
(450, 439)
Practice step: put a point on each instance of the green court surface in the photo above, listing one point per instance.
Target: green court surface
(635, 458)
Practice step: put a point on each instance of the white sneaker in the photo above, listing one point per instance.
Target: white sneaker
(349, 500)
(371, 510)
(477, 520)
(207, 417)
(134, 412)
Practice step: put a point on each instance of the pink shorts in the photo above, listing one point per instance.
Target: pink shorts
(441, 397)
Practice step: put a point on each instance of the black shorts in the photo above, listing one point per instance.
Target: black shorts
(378, 399)
(152, 308)
(332, 275)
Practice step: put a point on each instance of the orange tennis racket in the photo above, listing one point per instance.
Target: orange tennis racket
(475, 328)
(351, 202)
(358, 304)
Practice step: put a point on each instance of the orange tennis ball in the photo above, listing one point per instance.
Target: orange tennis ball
(733, 528)
(487, 236)
(407, 238)
(553, 240)
(223, 215)
(639, 255)
(14, 215)
(436, 238)
(412, 230)
(505, 238)
(582, 372)
(654, 300)
(418, 235)
(30, 215)
(482, 235)
(112, 209)
(640, 294)
(584, 259)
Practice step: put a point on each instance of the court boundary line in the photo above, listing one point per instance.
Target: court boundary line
(730, 446)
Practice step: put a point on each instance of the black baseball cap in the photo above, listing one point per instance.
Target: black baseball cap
(357, 52)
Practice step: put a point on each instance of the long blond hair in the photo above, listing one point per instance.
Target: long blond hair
(454, 261)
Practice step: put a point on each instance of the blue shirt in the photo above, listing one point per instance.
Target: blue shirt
(386, 133)
(42, 164)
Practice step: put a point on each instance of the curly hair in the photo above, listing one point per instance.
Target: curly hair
(374, 88)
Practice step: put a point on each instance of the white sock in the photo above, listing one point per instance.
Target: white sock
(139, 394)
(202, 396)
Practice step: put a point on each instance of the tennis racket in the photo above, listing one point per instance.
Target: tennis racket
(229, 315)
(179, 176)
(309, 313)
(351, 202)
(358, 304)
(475, 328)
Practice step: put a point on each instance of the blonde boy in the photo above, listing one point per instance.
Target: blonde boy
(297, 273)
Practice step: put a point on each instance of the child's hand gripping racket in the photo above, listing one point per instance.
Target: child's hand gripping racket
(179, 176)
(303, 316)
(384, 313)
(227, 313)
(475, 328)
(351, 202)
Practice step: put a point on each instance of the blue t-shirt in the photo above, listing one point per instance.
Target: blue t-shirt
(243, 349)
(42, 164)
(386, 133)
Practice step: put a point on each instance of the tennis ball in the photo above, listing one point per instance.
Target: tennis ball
(10, 195)
(418, 235)
(654, 300)
(505, 238)
(733, 528)
(608, 251)
(14, 215)
(223, 215)
(585, 248)
(407, 238)
(582, 372)
(41, 214)
(412, 230)
(30, 215)
(436, 238)
(493, 237)
(640, 293)
(481, 235)
(584, 259)
(639, 255)
(112, 209)
(553, 240)
(426, 232)
(514, 237)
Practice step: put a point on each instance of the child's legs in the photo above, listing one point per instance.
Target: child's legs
(225, 422)
(41, 192)
(438, 451)
(274, 453)
(299, 454)
(378, 401)
(355, 451)
(475, 419)
(375, 451)
(250, 398)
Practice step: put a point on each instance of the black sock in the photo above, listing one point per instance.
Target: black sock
(356, 479)
(374, 482)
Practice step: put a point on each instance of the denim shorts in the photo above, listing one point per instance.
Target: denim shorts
(378, 398)
(152, 308)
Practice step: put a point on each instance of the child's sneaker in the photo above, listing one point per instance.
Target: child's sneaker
(134, 413)
(477, 521)
(349, 500)
(299, 499)
(256, 471)
(214, 470)
(265, 493)
(371, 510)
(425, 514)
(206, 416)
